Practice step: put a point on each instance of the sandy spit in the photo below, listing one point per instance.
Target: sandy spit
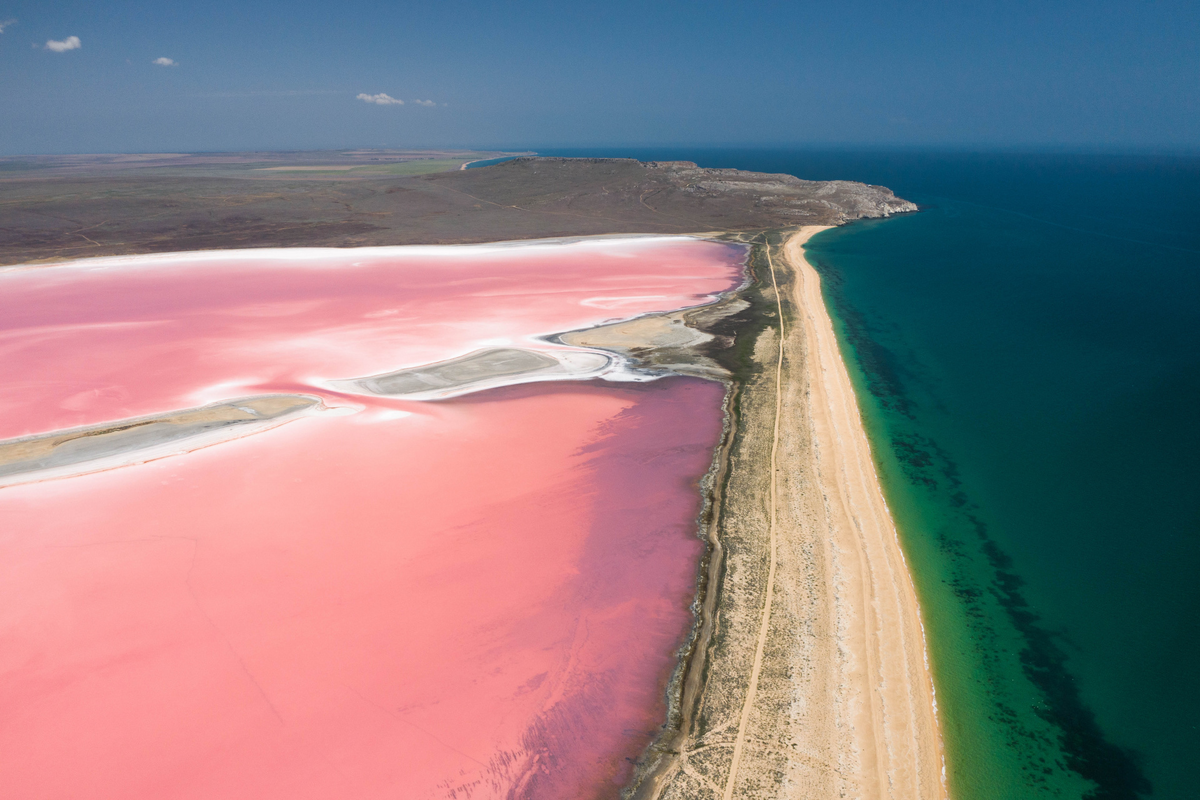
(894, 712)
(815, 676)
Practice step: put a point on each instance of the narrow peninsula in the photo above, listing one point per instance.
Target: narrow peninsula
(808, 674)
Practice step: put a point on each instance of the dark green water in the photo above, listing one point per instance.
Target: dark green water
(1027, 352)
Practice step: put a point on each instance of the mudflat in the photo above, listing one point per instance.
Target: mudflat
(102, 446)
(496, 366)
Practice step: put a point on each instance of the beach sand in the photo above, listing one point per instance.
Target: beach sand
(812, 680)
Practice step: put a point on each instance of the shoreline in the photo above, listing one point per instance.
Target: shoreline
(808, 672)
(868, 498)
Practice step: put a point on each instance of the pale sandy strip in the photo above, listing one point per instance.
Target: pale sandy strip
(896, 728)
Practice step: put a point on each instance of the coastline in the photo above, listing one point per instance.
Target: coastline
(898, 642)
(808, 673)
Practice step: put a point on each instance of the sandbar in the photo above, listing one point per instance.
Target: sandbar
(71, 452)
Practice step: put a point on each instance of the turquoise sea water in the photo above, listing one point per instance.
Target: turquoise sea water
(1027, 353)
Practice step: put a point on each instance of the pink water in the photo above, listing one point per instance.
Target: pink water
(471, 598)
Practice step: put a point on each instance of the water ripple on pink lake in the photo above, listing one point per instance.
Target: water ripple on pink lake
(472, 598)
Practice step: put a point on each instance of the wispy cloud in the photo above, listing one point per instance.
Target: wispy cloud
(166, 62)
(380, 99)
(425, 102)
(7, 23)
(69, 43)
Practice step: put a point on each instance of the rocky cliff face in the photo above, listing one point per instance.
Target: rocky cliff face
(788, 195)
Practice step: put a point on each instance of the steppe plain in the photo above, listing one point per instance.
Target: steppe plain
(806, 673)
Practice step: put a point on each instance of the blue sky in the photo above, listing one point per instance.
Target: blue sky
(287, 75)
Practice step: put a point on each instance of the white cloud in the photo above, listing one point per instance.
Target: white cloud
(425, 102)
(6, 23)
(166, 62)
(69, 43)
(380, 99)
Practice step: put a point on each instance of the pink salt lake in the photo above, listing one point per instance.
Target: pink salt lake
(473, 598)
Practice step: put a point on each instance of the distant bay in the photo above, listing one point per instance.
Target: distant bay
(1027, 353)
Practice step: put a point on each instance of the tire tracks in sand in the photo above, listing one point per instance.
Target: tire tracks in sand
(764, 624)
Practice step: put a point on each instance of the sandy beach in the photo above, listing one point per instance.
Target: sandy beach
(812, 678)
(890, 696)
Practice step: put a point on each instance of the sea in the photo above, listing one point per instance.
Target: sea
(1026, 350)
